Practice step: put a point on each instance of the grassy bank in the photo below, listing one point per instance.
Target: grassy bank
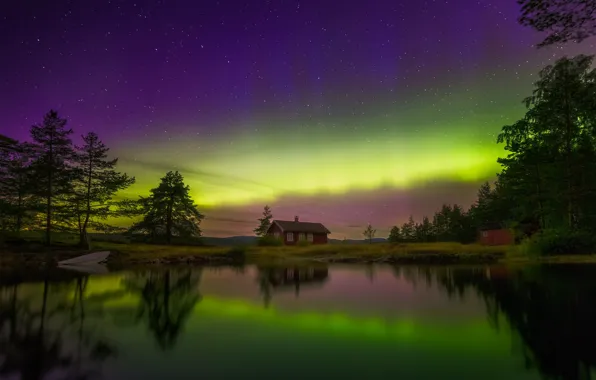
(381, 253)
(436, 253)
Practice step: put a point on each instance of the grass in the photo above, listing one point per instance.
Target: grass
(363, 253)
(415, 253)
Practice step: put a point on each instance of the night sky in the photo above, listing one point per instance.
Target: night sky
(342, 112)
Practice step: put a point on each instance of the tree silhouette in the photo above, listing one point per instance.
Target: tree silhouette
(170, 211)
(564, 20)
(394, 235)
(369, 233)
(53, 152)
(97, 183)
(32, 349)
(16, 187)
(549, 308)
(552, 152)
(167, 299)
(264, 222)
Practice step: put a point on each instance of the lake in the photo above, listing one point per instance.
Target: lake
(348, 322)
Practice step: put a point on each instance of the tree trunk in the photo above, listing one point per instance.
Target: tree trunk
(49, 196)
(568, 127)
(19, 211)
(539, 193)
(169, 221)
(83, 236)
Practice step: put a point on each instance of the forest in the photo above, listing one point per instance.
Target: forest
(546, 190)
(51, 185)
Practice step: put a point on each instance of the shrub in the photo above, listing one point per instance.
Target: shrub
(269, 241)
(559, 242)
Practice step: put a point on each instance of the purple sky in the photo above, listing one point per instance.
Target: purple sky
(175, 84)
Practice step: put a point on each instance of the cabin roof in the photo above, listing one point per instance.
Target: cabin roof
(292, 226)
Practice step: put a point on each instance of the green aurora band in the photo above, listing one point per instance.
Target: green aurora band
(252, 170)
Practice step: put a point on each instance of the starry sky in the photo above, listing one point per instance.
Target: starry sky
(345, 113)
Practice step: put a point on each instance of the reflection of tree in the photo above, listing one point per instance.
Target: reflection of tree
(89, 348)
(32, 335)
(278, 278)
(551, 309)
(167, 299)
(29, 348)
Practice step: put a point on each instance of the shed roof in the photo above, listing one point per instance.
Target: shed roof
(291, 226)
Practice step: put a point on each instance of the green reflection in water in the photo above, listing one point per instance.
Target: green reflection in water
(475, 334)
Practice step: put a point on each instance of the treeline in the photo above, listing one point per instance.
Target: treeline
(548, 178)
(51, 184)
(452, 223)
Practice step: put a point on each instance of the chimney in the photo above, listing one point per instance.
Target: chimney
(296, 218)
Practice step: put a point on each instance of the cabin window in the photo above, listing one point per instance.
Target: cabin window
(290, 236)
(484, 233)
(310, 237)
(302, 237)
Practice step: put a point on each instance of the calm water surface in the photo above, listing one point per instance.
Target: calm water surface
(302, 323)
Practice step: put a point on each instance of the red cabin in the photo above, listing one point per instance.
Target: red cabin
(293, 232)
(496, 236)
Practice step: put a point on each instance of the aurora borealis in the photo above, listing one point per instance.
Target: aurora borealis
(343, 113)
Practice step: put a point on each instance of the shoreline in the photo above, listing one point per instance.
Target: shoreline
(130, 255)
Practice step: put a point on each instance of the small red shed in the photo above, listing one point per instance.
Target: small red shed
(296, 231)
(496, 235)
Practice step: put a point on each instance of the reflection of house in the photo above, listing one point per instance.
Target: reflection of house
(282, 277)
(279, 279)
(496, 235)
(296, 231)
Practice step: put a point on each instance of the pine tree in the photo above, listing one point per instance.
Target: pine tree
(170, 211)
(394, 235)
(408, 232)
(264, 222)
(51, 169)
(15, 186)
(97, 183)
(426, 230)
(369, 233)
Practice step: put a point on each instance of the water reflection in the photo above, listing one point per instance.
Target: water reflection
(166, 300)
(49, 336)
(551, 308)
(272, 279)
(463, 319)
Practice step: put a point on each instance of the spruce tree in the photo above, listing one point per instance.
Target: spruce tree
(52, 171)
(264, 222)
(394, 235)
(408, 230)
(170, 211)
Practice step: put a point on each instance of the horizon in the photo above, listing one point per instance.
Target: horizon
(344, 116)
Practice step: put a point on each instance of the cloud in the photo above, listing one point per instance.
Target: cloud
(230, 220)
(207, 177)
(347, 216)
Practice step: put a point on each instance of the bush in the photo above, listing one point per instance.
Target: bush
(559, 242)
(269, 241)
